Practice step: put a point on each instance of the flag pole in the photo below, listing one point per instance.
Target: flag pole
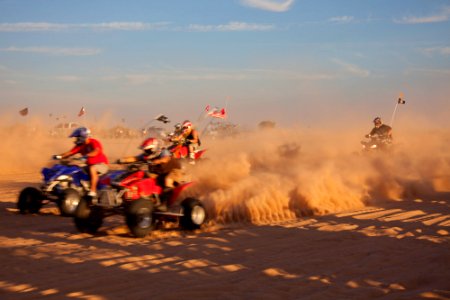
(393, 114)
(226, 108)
(202, 115)
(147, 124)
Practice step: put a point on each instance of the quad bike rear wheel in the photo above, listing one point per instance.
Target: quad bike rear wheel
(30, 200)
(139, 217)
(194, 214)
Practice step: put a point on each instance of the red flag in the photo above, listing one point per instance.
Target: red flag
(82, 111)
(207, 108)
(216, 113)
(24, 112)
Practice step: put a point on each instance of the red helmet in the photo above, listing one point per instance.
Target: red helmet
(150, 145)
(187, 125)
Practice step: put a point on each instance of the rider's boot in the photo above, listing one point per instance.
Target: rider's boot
(92, 197)
(192, 158)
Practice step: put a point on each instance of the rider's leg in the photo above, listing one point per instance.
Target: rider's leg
(94, 180)
(192, 148)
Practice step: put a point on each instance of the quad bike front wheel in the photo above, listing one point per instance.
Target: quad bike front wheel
(30, 200)
(139, 217)
(68, 202)
(87, 219)
(194, 214)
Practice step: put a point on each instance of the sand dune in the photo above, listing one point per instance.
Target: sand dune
(323, 222)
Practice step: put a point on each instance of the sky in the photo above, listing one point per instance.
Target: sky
(294, 62)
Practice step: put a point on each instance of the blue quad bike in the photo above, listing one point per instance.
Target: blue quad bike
(64, 184)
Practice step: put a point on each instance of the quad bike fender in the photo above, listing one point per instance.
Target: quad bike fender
(106, 179)
(58, 170)
(147, 187)
(199, 153)
(179, 151)
(132, 178)
(177, 191)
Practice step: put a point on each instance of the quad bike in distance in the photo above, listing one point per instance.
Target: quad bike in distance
(180, 150)
(376, 143)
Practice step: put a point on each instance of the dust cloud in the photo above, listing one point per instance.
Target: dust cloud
(270, 176)
(266, 176)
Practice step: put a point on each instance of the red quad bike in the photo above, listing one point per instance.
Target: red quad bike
(179, 150)
(143, 203)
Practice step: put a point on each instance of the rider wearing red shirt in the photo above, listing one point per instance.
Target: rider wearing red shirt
(92, 149)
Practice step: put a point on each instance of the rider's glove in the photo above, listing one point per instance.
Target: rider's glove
(56, 156)
(368, 135)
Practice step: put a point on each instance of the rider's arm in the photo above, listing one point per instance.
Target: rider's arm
(127, 160)
(71, 152)
(160, 160)
(373, 132)
(176, 137)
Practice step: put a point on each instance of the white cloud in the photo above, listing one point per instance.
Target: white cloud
(164, 76)
(231, 26)
(54, 51)
(442, 16)
(192, 75)
(342, 19)
(439, 50)
(10, 82)
(131, 26)
(352, 69)
(138, 79)
(68, 78)
(217, 75)
(17, 27)
(270, 5)
(110, 78)
(428, 72)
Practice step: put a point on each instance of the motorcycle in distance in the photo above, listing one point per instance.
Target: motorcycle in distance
(64, 184)
(137, 196)
(376, 143)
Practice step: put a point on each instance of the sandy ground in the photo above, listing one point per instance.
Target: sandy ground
(396, 250)
(294, 214)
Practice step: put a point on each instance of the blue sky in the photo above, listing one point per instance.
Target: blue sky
(291, 61)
